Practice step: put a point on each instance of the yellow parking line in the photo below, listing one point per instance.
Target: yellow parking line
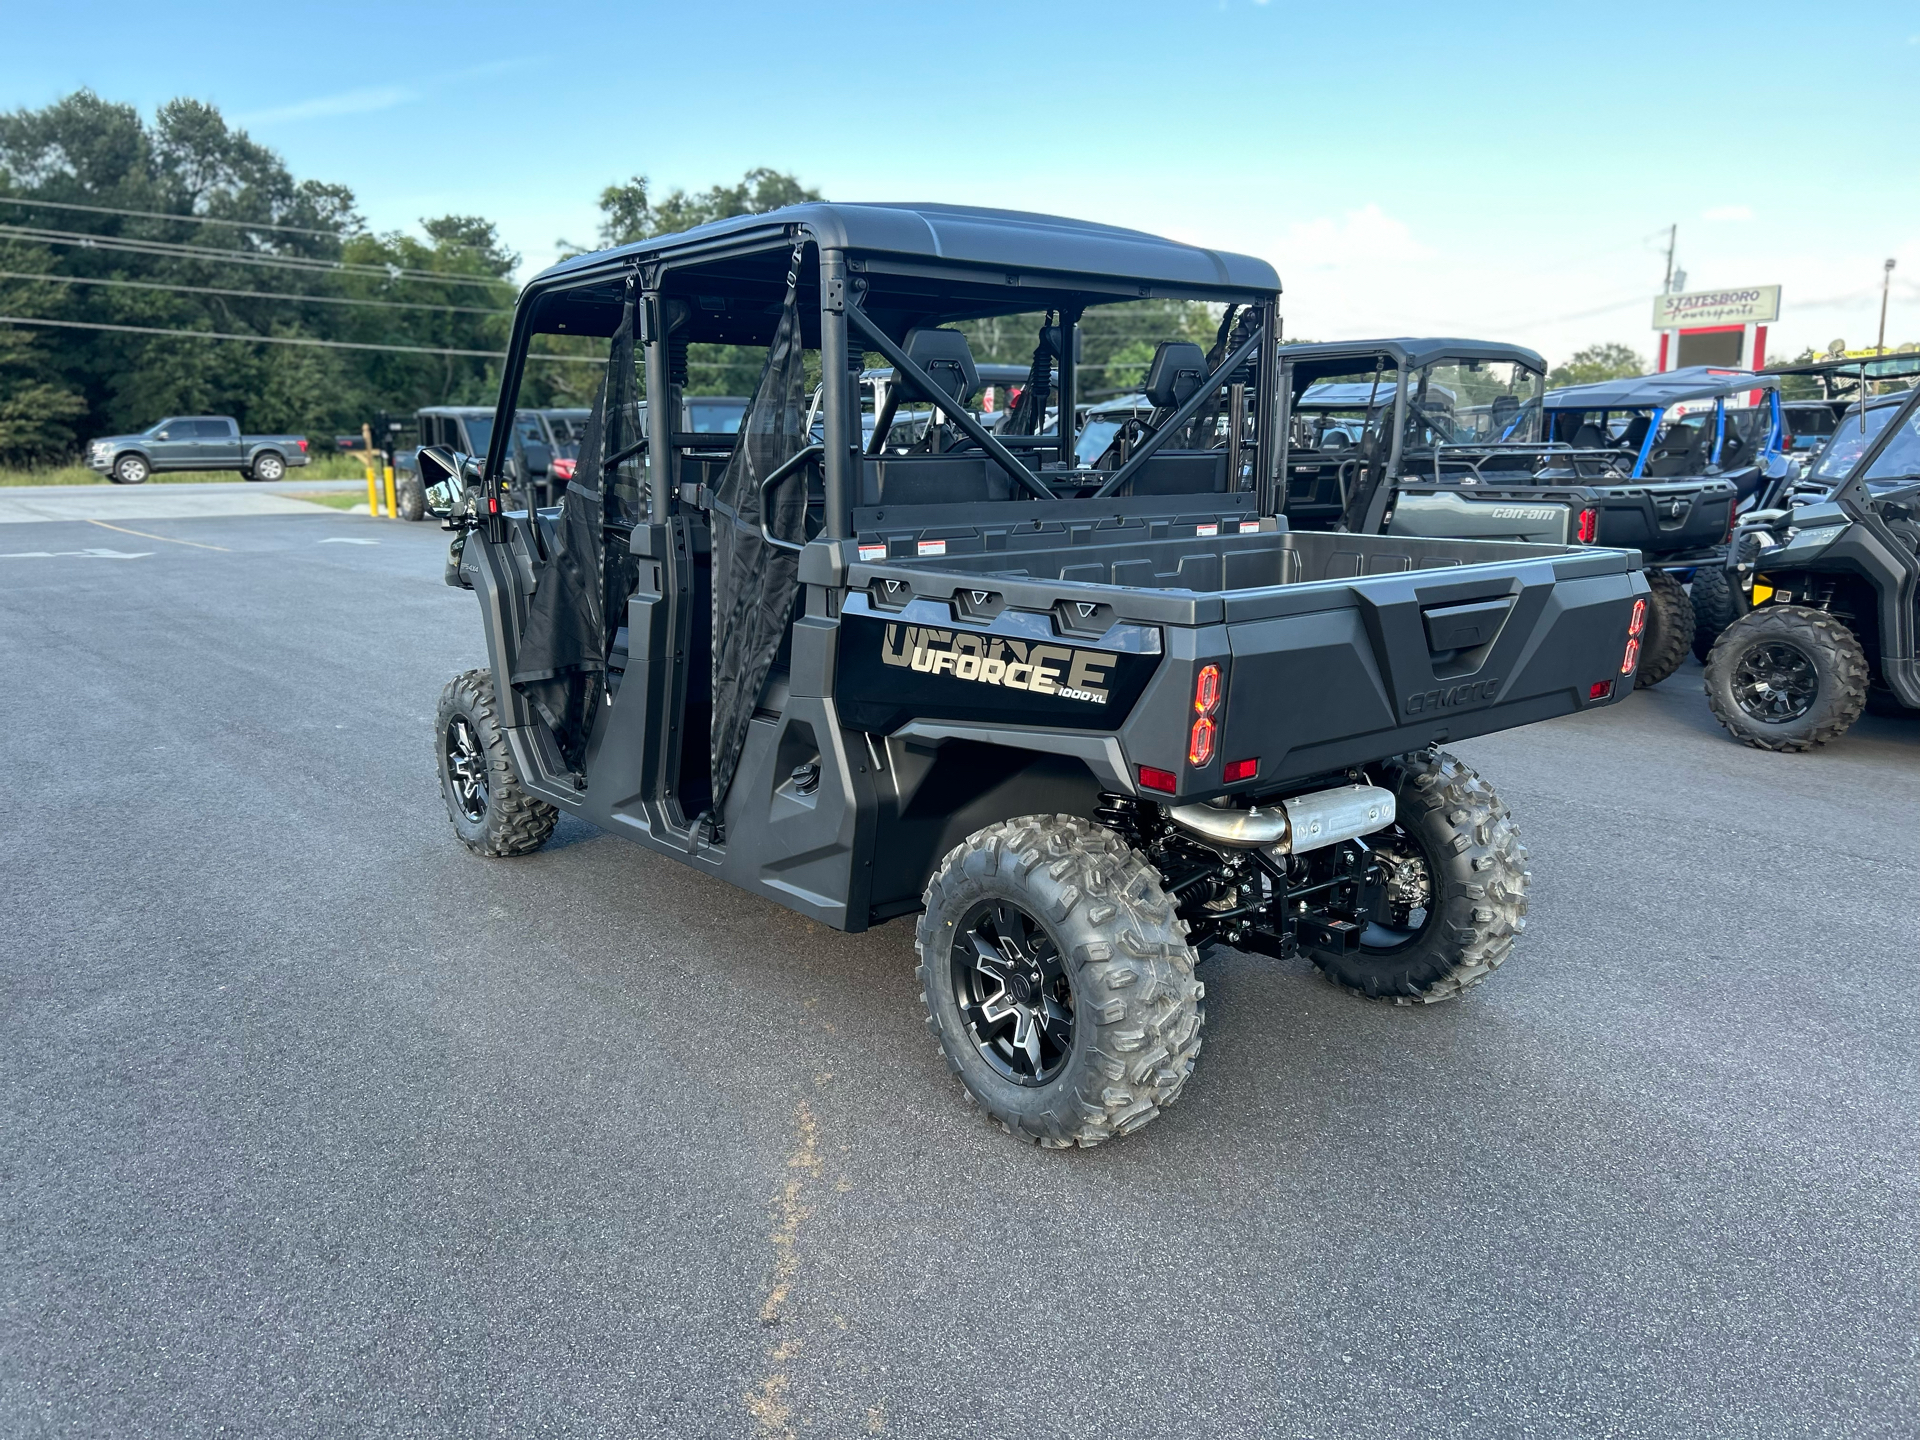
(167, 538)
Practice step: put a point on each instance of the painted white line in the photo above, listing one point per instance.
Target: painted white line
(344, 540)
(89, 554)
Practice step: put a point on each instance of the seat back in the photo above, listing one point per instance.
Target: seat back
(948, 361)
(1176, 372)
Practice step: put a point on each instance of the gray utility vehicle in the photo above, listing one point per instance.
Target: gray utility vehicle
(197, 442)
(1083, 723)
(1447, 437)
(1836, 597)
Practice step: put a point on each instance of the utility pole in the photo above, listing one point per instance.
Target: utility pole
(1673, 234)
(1886, 284)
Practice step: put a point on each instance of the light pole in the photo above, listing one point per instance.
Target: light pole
(1886, 284)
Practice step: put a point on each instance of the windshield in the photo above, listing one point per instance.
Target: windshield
(1474, 402)
(715, 416)
(1337, 413)
(1850, 442)
(1901, 458)
(480, 432)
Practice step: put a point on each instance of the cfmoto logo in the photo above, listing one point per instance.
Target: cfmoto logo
(1474, 691)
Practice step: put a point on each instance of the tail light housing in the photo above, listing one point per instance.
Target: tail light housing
(1636, 626)
(1589, 530)
(1154, 778)
(1205, 733)
(303, 446)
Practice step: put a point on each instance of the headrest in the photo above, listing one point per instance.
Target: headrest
(944, 355)
(1176, 372)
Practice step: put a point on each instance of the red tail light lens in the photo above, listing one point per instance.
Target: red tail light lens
(1589, 526)
(1200, 742)
(1639, 620)
(1631, 658)
(1599, 690)
(1238, 770)
(1165, 781)
(303, 447)
(1206, 690)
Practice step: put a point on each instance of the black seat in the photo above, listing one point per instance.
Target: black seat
(1176, 372)
(948, 361)
(1635, 435)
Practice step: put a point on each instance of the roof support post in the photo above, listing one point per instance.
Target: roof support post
(661, 408)
(840, 374)
(1270, 405)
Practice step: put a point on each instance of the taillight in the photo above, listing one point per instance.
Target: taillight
(1631, 658)
(1589, 526)
(1639, 620)
(1238, 770)
(1599, 690)
(303, 446)
(1206, 705)
(1164, 781)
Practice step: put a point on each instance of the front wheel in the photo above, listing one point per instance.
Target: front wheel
(1058, 980)
(1455, 892)
(1669, 630)
(1787, 677)
(131, 470)
(267, 468)
(410, 497)
(491, 810)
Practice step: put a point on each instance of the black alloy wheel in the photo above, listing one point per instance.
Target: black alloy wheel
(1775, 683)
(1016, 999)
(466, 769)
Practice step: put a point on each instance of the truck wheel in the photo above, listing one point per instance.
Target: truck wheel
(1058, 981)
(1787, 677)
(1459, 889)
(1669, 630)
(268, 468)
(1717, 603)
(131, 470)
(410, 497)
(491, 810)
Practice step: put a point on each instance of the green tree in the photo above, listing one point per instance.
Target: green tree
(1596, 363)
(629, 213)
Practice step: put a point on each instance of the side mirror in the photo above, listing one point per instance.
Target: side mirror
(443, 475)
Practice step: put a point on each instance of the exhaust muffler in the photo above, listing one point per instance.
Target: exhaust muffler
(1305, 822)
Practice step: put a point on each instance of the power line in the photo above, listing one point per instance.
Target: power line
(252, 294)
(186, 219)
(30, 322)
(86, 241)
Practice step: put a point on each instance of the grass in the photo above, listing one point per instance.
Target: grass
(332, 499)
(321, 467)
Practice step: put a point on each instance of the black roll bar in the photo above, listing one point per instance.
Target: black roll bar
(969, 427)
(1180, 417)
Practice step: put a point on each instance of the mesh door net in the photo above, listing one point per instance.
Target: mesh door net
(754, 583)
(587, 571)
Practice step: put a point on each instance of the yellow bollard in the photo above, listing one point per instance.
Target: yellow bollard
(373, 495)
(393, 511)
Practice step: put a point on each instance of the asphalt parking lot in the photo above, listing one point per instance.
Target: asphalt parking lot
(316, 1124)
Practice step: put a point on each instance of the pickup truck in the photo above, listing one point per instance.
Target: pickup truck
(197, 442)
(1083, 723)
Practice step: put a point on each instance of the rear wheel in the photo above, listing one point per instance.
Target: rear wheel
(1787, 677)
(1457, 894)
(410, 497)
(491, 811)
(268, 468)
(1717, 603)
(131, 470)
(1058, 981)
(1669, 630)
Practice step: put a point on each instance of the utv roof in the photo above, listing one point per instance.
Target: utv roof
(1899, 365)
(1649, 392)
(1411, 352)
(1011, 240)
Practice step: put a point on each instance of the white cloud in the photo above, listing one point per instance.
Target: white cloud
(347, 102)
(1728, 212)
(1364, 237)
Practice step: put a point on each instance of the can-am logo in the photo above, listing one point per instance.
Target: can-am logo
(995, 660)
(1465, 694)
(1523, 512)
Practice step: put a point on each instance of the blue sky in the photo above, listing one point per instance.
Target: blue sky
(1499, 170)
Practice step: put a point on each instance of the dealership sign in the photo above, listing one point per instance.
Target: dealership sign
(1748, 305)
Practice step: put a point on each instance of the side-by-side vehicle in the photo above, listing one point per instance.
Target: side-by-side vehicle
(1082, 723)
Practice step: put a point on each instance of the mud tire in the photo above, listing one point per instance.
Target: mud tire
(1670, 626)
(1478, 870)
(1840, 672)
(1137, 1005)
(513, 822)
(1717, 603)
(410, 497)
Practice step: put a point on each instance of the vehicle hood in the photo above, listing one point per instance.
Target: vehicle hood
(114, 439)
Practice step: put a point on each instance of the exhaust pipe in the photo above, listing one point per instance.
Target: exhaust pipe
(1293, 827)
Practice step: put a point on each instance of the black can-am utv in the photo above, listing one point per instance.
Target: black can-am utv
(1082, 721)
(1834, 595)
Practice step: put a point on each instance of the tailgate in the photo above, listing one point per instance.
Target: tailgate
(1406, 660)
(1665, 519)
(1455, 512)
